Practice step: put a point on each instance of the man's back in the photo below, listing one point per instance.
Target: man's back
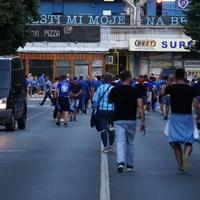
(125, 98)
(181, 98)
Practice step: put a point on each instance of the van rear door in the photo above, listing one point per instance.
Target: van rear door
(5, 78)
(18, 83)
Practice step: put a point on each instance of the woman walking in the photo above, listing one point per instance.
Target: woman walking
(105, 112)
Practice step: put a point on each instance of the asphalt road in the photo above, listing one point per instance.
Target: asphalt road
(155, 176)
(46, 162)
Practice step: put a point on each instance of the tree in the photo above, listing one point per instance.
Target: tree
(192, 27)
(15, 18)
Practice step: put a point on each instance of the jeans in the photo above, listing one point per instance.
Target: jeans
(124, 136)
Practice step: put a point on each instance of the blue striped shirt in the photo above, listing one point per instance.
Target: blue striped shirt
(103, 105)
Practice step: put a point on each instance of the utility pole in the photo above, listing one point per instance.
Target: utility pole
(133, 11)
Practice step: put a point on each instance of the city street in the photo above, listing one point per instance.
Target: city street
(46, 162)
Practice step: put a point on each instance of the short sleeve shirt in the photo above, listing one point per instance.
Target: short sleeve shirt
(64, 88)
(125, 98)
(181, 98)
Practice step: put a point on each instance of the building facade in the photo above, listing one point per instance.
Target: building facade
(93, 36)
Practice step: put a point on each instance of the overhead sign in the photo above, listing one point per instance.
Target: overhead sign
(65, 33)
(164, 20)
(149, 44)
(192, 63)
(117, 20)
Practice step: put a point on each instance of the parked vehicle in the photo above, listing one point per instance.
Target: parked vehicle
(13, 101)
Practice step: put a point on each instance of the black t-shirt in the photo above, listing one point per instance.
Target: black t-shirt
(181, 98)
(125, 98)
(75, 88)
(142, 87)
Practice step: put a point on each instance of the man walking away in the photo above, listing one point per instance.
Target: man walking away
(53, 91)
(63, 106)
(47, 88)
(181, 123)
(75, 95)
(126, 99)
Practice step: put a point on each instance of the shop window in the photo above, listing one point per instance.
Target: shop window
(160, 64)
(144, 67)
(81, 68)
(97, 67)
(178, 63)
(39, 67)
(63, 67)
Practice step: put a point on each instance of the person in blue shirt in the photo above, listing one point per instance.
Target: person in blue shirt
(105, 120)
(35, 86)
(41, 81)
(97, 83)
(62, 103)
(47, 89)
(85, 95)
(151, 85)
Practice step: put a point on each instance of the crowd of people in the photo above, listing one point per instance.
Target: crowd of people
(120, 101)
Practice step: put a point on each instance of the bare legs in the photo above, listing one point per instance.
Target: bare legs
(62, 114)
(182, 156)
(165, 111)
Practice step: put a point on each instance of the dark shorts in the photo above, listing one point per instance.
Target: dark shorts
(166, 100)
(105, 119)
(64, 104)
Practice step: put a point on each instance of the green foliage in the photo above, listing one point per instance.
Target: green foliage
(15, 18)
(192, 27)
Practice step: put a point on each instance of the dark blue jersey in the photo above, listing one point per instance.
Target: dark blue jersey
(64, 88)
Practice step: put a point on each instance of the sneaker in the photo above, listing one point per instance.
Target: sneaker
(111, 149)
(105, 150)
(41, 104)
(120, 167)
(58, 123)
(70, 118)
(65, 124)
(129, 168)
(181, 171)
(165, 118)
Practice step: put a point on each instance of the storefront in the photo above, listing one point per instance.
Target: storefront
(50, 52)
(153, 55)
(73, 45)
(71, 64)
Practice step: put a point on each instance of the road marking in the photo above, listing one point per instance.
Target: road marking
(105, 183)
(12, 150)
(38, 114)
(34, 106)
